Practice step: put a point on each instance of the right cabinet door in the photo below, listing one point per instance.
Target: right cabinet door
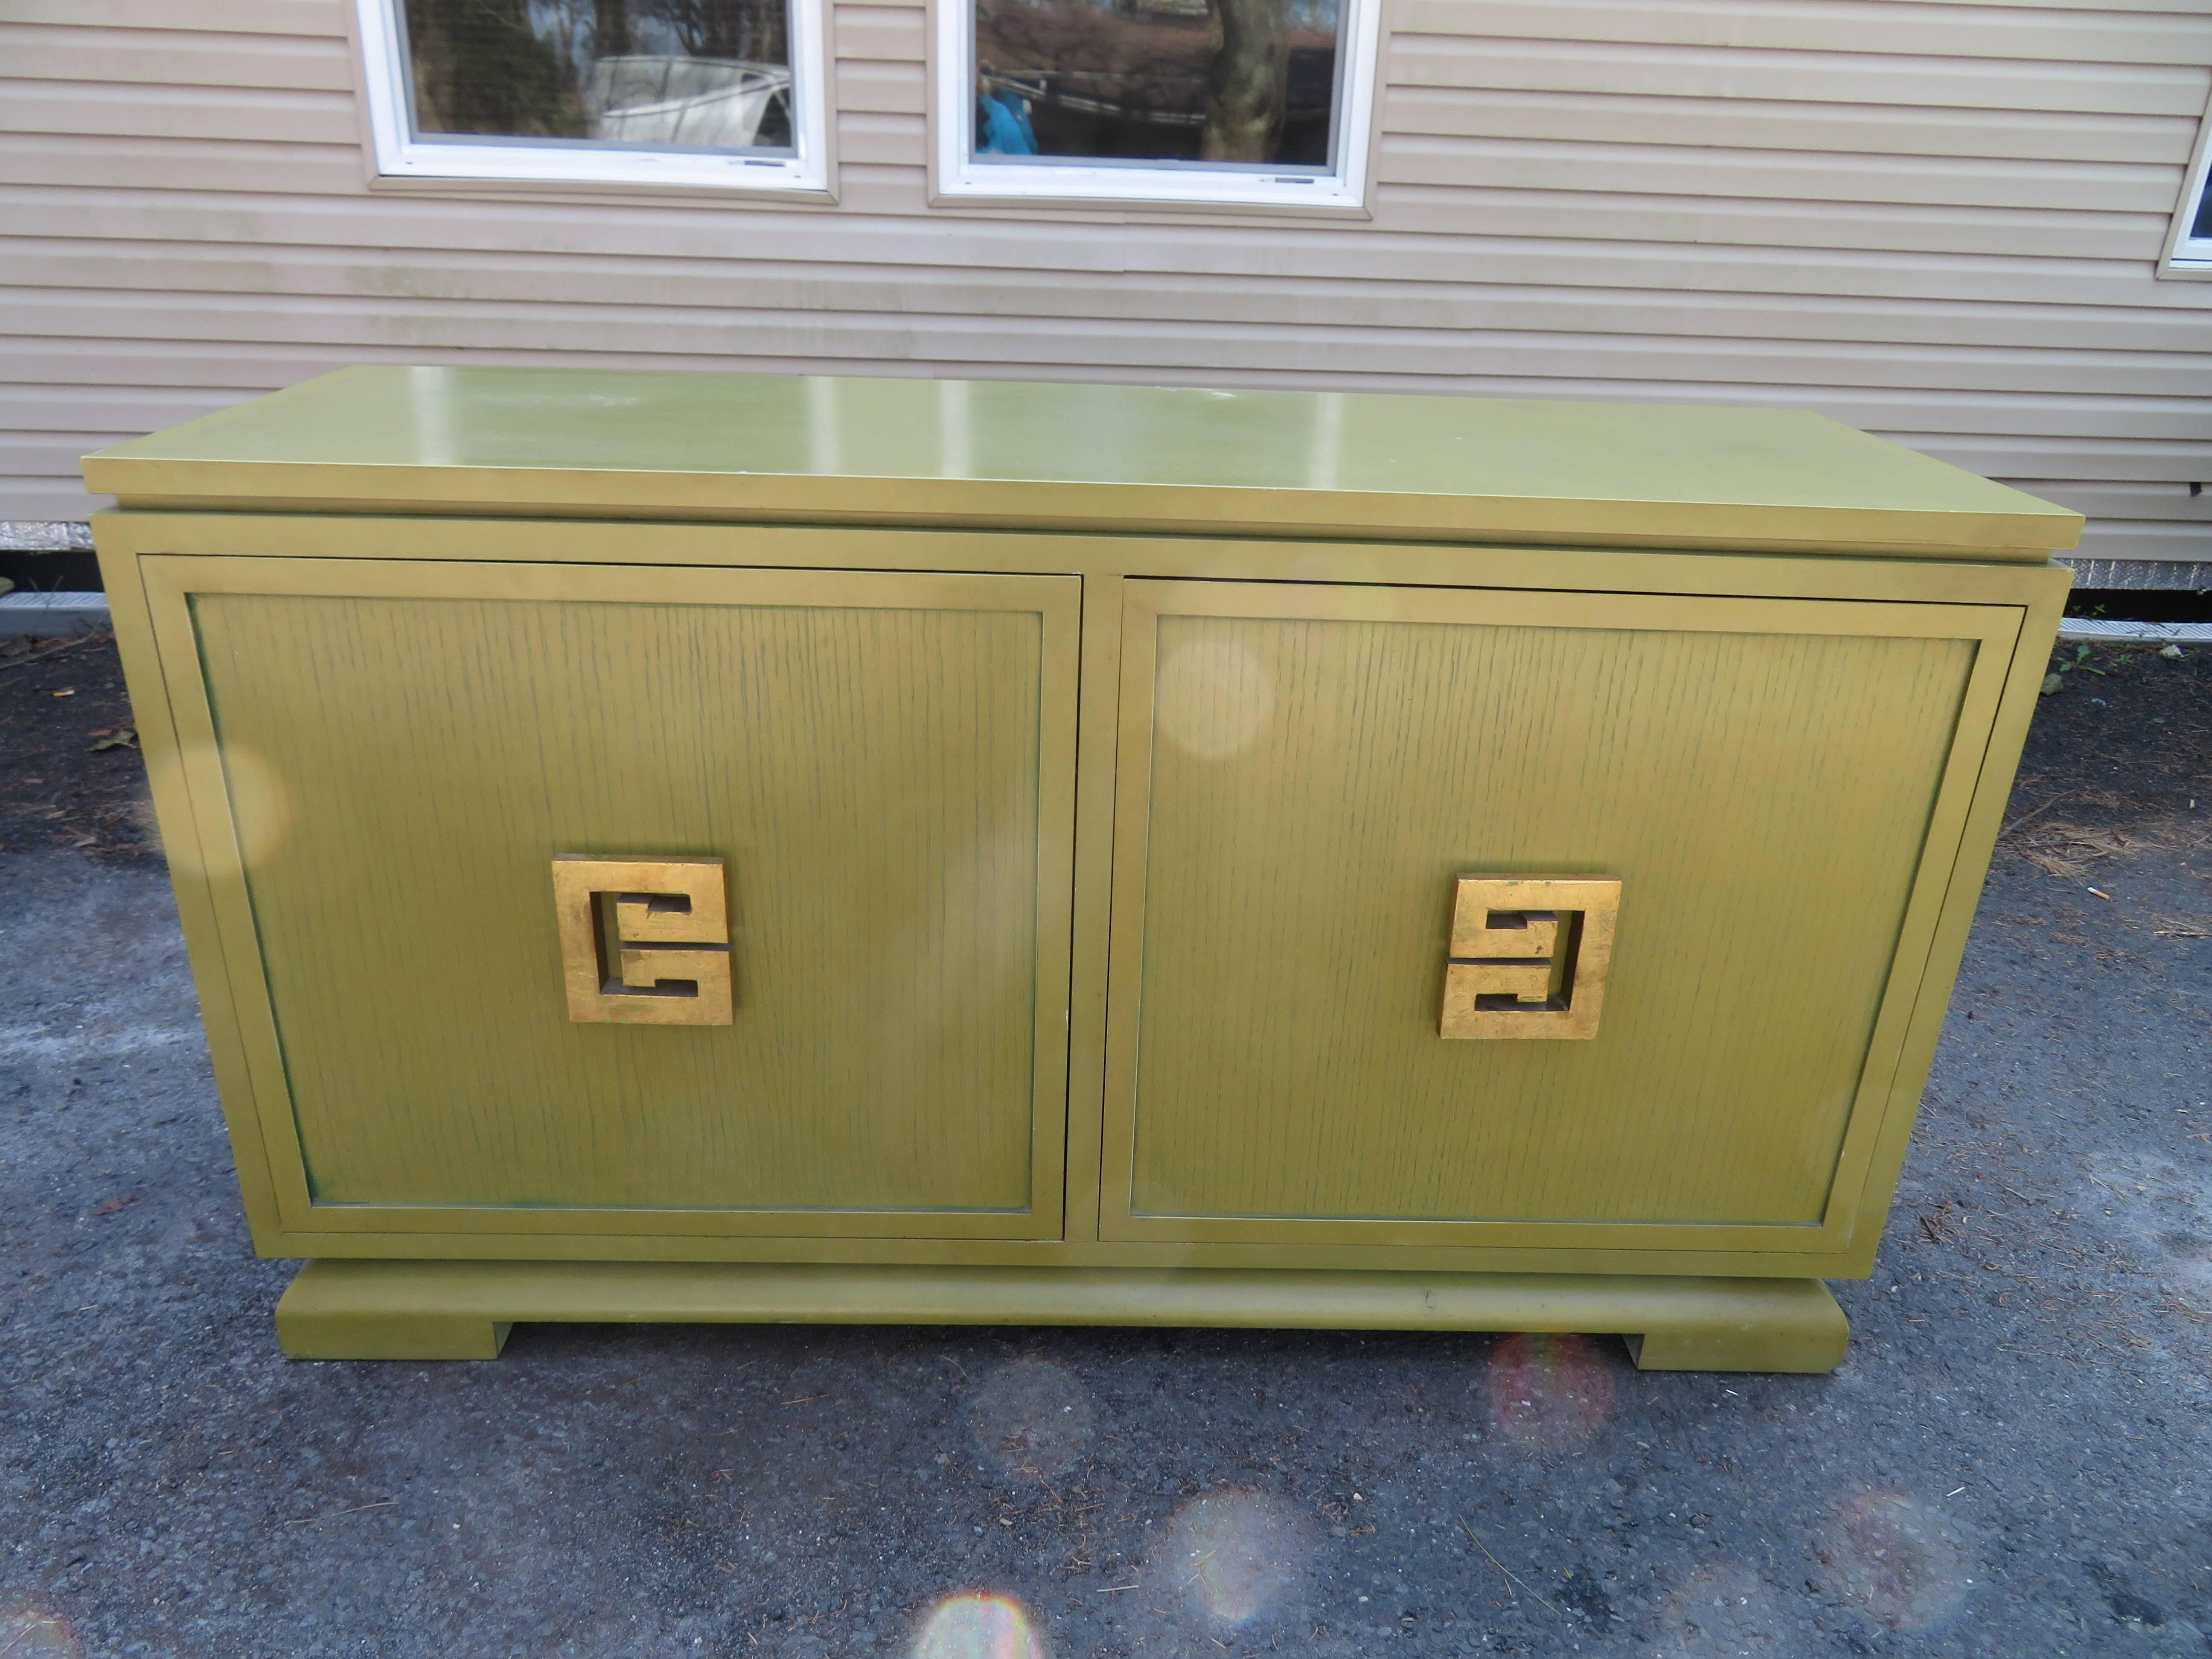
(1307, 772)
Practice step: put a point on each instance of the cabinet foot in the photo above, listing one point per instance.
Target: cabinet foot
(463, 1309)
(1748, 1325)
(324, 1314)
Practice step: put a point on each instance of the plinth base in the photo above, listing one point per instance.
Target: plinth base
(464, 1309)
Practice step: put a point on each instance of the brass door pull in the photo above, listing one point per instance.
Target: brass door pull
(1530, 955)
(644, 941)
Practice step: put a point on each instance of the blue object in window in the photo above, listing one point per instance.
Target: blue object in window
(1004, 127)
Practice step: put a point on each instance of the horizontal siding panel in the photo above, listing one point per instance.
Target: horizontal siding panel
(886, 140)
(2134, 539)
(240, 367)
(1670, 170)
(182, 166)
(1864, 78)
(411, 221)
(90, 108)
(768, 323)
(1089, 246)
(1593, 219)
(2170, 502)
(886, 88)
(36, 500)
(1756, 123)
(175, 57)
(300, 17)
(50, 454)
(1604, 217)
(1032, 297)
(2161, 7)
(2016, 455)
(32, 412)
(1838, 26)
(1992, 393)
(892, 32)
(869, 187)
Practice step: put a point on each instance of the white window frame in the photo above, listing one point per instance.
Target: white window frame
(400, 156)
(2187, 255)
(963, 177)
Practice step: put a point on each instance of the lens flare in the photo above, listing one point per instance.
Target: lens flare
(978, 1626)
(1233, 1556)
(29, 1631)
(261, 807)
(1032, 1419)
(1720, 1609)
(1214, 696)
(1550, 1393)
(1902, 1565)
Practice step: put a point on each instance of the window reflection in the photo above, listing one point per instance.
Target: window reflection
(1218, 83)
(659, 74)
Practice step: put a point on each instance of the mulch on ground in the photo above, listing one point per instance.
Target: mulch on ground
(71, 773)
(2118, 762)
(2145, 717)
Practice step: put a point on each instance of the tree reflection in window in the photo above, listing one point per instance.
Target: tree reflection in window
(1224, 83)
(683, 75)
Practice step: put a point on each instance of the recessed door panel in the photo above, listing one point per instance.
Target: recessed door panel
(1309, 771)
(881, 763)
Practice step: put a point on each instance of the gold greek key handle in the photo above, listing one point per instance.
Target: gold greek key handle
(1530, 955)
(644, 941)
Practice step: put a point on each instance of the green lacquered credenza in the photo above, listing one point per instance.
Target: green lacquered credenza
(729, 848)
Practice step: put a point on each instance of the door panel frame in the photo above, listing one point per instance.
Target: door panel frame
(191, 787)
(1994, 631)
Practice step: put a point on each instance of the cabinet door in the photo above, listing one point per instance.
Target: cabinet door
(383, 757)
(1307, 770)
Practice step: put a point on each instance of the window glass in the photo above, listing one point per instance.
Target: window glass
(1215, 83)
(698, 76)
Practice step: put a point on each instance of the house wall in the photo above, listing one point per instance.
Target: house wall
(1936, 221)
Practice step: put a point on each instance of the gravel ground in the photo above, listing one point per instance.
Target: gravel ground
(2013, 1461)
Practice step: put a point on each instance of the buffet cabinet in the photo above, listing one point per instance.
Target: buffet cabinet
(705, 847)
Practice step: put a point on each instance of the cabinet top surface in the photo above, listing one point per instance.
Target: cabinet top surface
(1013, 454)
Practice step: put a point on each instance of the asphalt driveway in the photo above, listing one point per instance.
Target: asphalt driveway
(2016, 1460)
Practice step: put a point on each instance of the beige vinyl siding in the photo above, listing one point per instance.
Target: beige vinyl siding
(1936, 221)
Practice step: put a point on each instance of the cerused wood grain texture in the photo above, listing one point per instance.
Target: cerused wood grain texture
(1305, 772)
(397, 750)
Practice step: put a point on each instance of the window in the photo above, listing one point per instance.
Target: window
(724, 94)
(2189, 250)
(1233, 102)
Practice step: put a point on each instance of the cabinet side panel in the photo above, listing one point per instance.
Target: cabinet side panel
(401, 771)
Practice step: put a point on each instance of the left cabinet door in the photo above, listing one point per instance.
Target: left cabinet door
(376, 762)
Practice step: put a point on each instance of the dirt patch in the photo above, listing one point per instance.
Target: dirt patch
(70, 773)
(2119, 760)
